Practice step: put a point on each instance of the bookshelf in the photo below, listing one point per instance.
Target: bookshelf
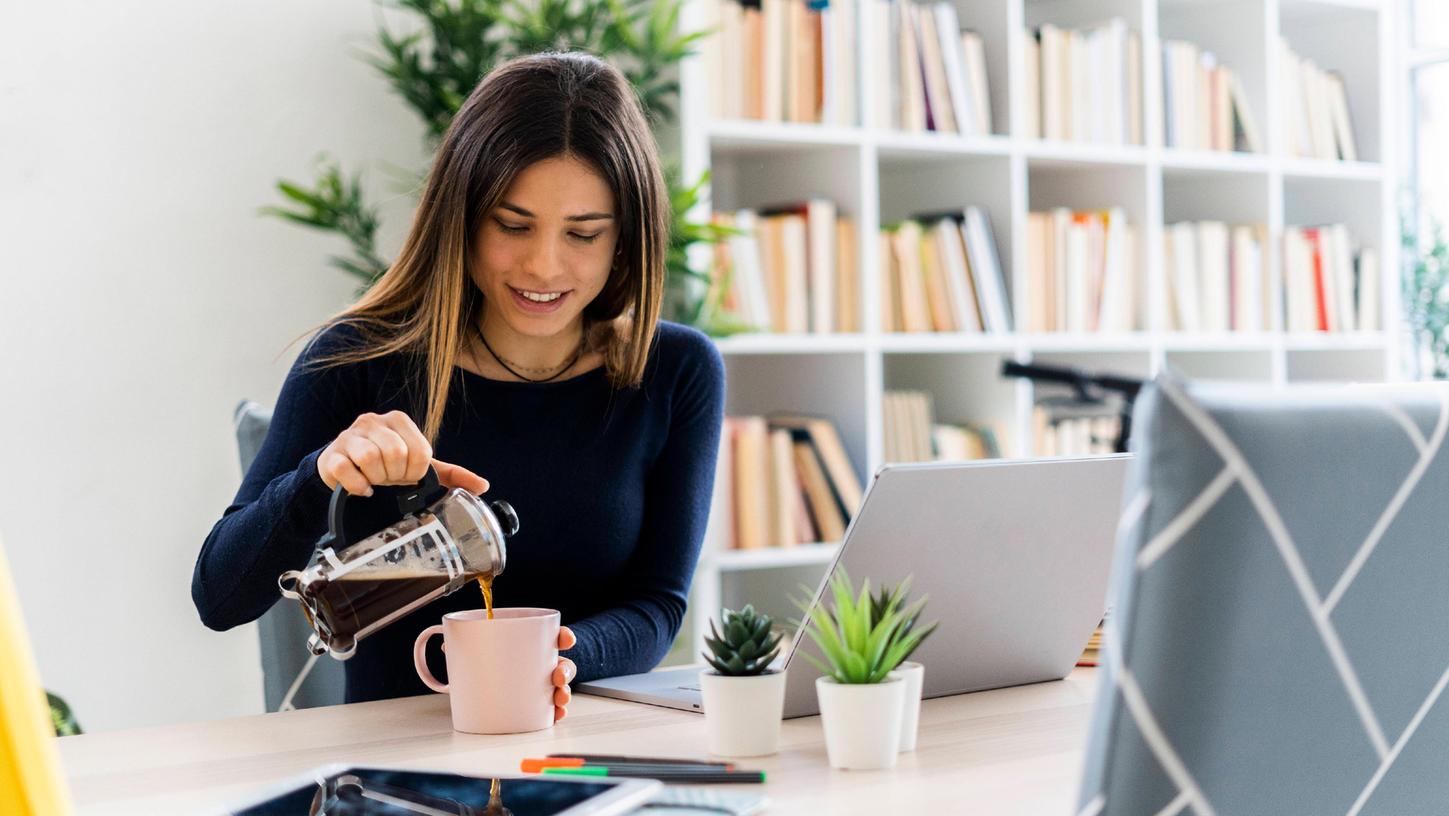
(878, 176)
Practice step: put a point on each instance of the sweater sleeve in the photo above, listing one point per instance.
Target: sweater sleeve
(280, 510)
(634, 635)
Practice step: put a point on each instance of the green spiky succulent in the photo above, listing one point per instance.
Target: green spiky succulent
(863, 638)
(888, 598)
(747, 645)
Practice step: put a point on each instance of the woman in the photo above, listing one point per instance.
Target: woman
(517, 335)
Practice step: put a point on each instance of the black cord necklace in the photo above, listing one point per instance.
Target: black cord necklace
(577, 354)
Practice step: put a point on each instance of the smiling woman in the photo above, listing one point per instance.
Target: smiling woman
(517, 336)
(545, 252)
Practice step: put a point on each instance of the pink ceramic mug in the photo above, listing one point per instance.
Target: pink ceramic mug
(500, 671)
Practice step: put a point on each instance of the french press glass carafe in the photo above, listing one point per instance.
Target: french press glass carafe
(349, 591)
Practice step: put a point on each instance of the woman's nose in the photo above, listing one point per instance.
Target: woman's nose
(541, 260)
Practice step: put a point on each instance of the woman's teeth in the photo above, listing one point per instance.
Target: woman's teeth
(540, 297)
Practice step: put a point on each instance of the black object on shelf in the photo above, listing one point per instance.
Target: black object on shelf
(1088, 389)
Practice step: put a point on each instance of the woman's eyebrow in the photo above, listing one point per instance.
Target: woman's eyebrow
(593, 216)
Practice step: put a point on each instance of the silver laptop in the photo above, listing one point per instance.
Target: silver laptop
(1014, 555)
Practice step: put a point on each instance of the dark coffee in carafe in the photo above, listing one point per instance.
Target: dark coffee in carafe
(353, 606)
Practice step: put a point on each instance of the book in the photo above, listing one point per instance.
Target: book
(986, 271)
(751, 488)
(973, 59)
(784, 488)
(911, 296)
(824, 508)
(822, 434)
(847, 301)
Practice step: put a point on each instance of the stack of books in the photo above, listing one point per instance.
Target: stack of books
(793, 268)
(1327, 286)
(1084, 85)
(1315, 109)
(1204, 105)
(1054, 434)
(941, 273)
(931, 74)
(1214, 278)
(782, 60)
(1084, 272)
(913, 435)
(782, 482)
(1092, 655)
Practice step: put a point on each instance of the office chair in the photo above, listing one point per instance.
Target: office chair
(1277, 640)
(283, 631)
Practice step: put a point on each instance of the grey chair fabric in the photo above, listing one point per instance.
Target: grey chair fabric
(283, 631)
(1278, 633)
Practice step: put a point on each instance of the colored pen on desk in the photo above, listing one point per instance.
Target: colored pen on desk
(613, 758)
(537, 765)
(631, 768)
(680, 776)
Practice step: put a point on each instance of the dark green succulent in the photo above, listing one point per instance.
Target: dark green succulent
(747, 645)
(61, 718)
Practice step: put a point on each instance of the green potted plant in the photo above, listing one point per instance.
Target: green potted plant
(744, 699)
(861, 700)
(908, 670)
(1426, 295)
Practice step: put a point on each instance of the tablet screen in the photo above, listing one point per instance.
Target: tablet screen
(374, 791)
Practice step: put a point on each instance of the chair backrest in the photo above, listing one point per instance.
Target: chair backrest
(1277, 638)
(283, 631)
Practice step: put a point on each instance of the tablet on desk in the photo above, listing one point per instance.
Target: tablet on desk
(340, 790)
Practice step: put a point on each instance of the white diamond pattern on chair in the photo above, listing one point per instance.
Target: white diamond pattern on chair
(1279, 640)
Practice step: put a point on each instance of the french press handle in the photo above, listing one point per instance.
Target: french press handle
(410, 501)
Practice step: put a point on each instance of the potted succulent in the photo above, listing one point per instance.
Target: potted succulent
(744, 699)
(911, 672)
(861, 701)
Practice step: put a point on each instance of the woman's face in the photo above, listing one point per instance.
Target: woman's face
(545, 252)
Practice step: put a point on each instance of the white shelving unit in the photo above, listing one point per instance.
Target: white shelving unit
(877, 176)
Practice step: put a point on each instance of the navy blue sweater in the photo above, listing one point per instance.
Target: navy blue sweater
(612, 489)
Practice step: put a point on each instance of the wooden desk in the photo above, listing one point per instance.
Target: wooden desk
(1008, 751)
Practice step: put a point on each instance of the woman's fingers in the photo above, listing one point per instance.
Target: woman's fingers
(388, 449)
(366, 456)
(394, 454)
(566, 638)
(562, 676)
(419, 452)
(336, 468)
(455, 476)
(565, 672)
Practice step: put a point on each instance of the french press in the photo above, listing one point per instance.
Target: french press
(349, 591)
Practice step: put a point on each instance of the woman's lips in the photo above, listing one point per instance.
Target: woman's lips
(536, 307)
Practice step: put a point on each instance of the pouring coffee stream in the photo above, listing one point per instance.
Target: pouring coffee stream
(441, 543)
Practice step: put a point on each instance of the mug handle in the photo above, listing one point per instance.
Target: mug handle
(421, 664)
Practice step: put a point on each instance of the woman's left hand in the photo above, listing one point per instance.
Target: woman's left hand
(563, 674)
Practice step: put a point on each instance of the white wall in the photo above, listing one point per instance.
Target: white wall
(141, 296)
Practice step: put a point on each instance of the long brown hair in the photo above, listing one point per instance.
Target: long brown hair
(525, 110)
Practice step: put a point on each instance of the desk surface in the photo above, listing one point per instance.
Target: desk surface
(1008, 751)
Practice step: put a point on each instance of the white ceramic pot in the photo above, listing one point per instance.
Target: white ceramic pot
(912, 673)
(742, 714)
(862, 722)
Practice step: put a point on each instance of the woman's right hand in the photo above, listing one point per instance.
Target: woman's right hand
(387, 449)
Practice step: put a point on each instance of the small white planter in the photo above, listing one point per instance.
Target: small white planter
(912, 673)
(862, 722)
(742, 714)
